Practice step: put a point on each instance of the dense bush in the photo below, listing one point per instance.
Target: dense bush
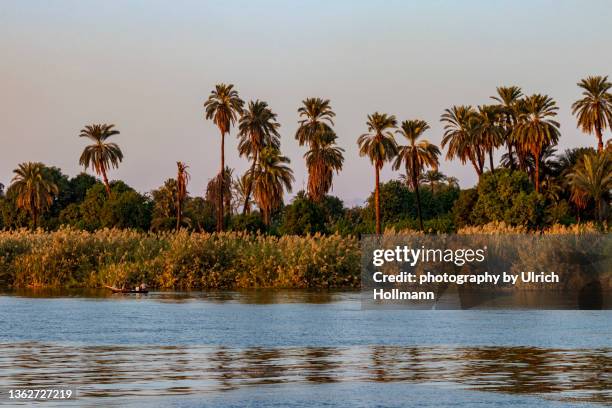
(73, 258)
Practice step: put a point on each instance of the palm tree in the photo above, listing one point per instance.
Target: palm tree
(213, 190)
(322, 159)
(35, 189)
(182, 178)
(535, 131)
(594, 111)
(508, 97)
(488, 133)
(460, 136)
(258, 129)
(433, 177)
(223, 106)
(379, 145)
(323, 156)
(317, 120)
(271, 178)
(415, 156)
(239, 192)
(101, 155)
(592, 178)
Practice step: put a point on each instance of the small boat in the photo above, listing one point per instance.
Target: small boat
(118, 290)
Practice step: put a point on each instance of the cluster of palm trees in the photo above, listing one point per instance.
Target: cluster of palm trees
(524, 125)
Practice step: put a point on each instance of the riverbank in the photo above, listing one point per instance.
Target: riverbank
(71, 258)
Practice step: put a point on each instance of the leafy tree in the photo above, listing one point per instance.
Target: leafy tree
(379, 146)
(508, 196)
(258, 129)
(303, 216)
(101, 155)
(164, 206)
(594, 110)
(34, 188)
(464, 207)
(125, 208)
(415, 156)
(223, 107)
(250, 222)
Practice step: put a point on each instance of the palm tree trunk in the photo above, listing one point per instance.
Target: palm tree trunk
(415, 183)
(249, 186)
(377, 200)
(510, 156)
(35, 217)
(491, 160)
(178, 211)
(478, 172)
(106, 184)
(220, 192)
(599, 139)
(537, 172)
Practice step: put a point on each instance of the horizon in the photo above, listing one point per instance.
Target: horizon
(151, 70)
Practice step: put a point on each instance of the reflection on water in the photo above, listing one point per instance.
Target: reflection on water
(113, 371)
(247, 296)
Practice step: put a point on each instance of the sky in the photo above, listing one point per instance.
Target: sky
(147, 67)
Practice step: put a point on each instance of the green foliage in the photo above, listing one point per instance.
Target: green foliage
(464, 206)
(74, 258)
(251, 222)
(496, 194)
(303, 216)
(125, 208)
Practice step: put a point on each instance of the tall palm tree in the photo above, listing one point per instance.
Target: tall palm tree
(223, 106)
(379, 146)
(535, 129)
(317, 120)
(182, 178)
(101, 155)
(322, 159)
(592, 178)
(508, 97)
(460, 136)
(415, 156)
(35, 189)
(271, 178)
(488, 132)
(258, 128)
(323, 156)
(594, 110)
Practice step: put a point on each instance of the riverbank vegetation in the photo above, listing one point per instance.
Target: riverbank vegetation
(58, 230)
(186, 260)
(533, 185)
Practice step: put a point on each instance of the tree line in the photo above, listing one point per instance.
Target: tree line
(531, 176)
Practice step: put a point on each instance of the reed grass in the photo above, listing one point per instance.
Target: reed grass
(75, 258)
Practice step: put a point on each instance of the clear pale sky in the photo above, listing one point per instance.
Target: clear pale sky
(147, 66)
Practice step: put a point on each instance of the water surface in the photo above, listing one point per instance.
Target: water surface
(279, 348)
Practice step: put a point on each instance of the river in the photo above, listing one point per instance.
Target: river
(298, 348)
